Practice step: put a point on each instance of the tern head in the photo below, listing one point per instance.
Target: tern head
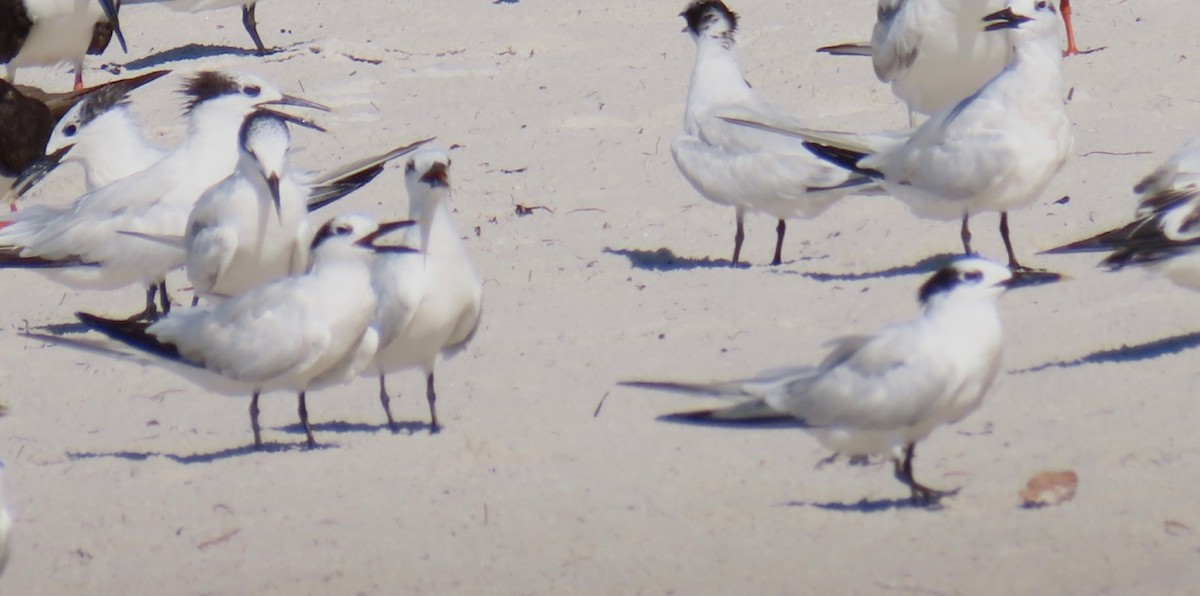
(1038, 16)
(969, 277)
(85, 128)
(350, 232)
(427, 172)
(265, 139)
(238, 91)
(709, 18)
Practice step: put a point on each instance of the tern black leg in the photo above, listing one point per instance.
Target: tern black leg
(251, 25)
(738, 237)
(780, 230)
(1012, 256)
(921, 494)
(431, 395)
(386, 401)
(254, 421)
(304, 420)
(151, 311)
(966, 235)
(164, 298)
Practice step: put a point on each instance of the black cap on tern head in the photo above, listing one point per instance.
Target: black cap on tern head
(210, 84)
(700, 12)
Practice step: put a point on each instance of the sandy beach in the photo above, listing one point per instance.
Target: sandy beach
(548, 477)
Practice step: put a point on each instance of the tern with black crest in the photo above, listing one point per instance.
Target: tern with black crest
(295, 334)
(995, 151)
(737, 166)
(934, 53)
(429, 303)
(89, 244)
(95, 122)
(881, 394)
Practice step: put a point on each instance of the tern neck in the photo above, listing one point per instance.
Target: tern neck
(209, 149)
(114, 147)
(431, 213)
(716, 77)
(1034, 70)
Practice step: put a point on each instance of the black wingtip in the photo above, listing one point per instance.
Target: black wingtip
(713, 419)
(334, 191)
(843, 158)
(130, 333)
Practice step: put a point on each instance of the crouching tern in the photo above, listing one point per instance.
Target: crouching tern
(884, 393)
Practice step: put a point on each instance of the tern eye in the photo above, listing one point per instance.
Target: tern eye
(973, 275)
(411, 167)
(70, 130)
(342, 230)
(251, 90)
(1042, 5)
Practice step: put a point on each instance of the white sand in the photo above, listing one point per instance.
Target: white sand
(129, 480)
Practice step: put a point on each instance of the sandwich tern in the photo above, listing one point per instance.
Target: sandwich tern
(883, 393)
(934, 53)
(89, 245)
(94, 128)
(995, 151)
(295, 334)
(48, 32)
(428, 303)
(253, 228)
(1165, 233)
(731, 165)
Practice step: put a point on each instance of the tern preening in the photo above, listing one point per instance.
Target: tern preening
(933, 52)
(93, 244)
(94, 122)
(295, 334)
(1165, 233)
(737, 166)
(995, 151)
(428, 303)
(249, 19)
(48, 32)
(884, 393)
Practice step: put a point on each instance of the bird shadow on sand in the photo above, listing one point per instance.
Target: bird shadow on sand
(198, 458)
(923, 267)
(663, 259)
(194, 51)
(868, 506)
(1134, 353)
(340, 427)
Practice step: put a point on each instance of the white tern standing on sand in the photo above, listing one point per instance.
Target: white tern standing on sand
(933, 52)
(883, 393)
(738, 166)
(87, 245)
(295, 334)
(995, 151)
(428, 302)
